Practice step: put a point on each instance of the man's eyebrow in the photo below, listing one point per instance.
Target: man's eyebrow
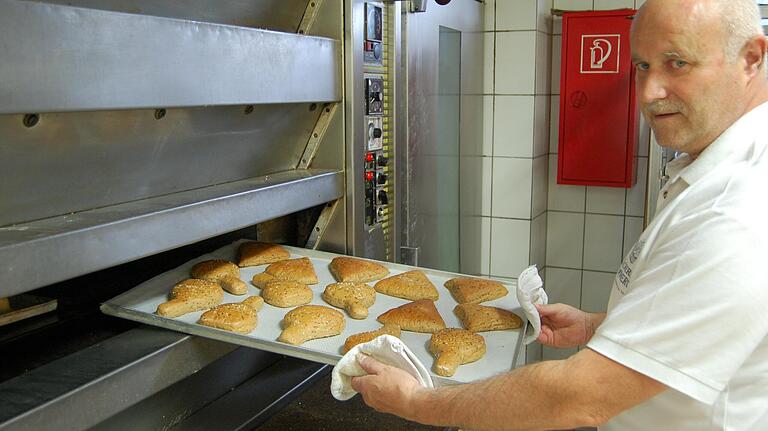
(673, 54)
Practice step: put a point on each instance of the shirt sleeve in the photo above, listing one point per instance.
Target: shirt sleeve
(697, 310)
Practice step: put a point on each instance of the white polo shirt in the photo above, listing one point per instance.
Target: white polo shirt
(689, 305)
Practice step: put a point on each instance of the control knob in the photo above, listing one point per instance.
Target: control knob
(383, 198)
(382, 161)
(381, 179)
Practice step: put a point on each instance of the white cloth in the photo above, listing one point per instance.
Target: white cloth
(530, 291)
(386, 349)
(688, 305)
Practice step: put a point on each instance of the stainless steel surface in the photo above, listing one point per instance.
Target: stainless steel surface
(83, 242)
(73, 162)
(107, 60)
(278, 15)
(256, 399)
(87, 387)
(363, 240)
(321, 226)
(139, 304)
(426, 212)
(317, 135)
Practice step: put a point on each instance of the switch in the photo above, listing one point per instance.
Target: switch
(381, 179)
(382, 160)
(369, 157)
(377, 133)
(369, 176)
(383, 198)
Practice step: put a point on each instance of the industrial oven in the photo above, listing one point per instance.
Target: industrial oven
(136, 135)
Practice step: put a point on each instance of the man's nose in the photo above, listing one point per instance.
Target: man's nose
(651, 87)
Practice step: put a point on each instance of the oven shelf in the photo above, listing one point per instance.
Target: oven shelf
(43, 252)
(65, 59)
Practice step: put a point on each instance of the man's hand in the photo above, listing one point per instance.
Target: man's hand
(387, 389)
(564, 326)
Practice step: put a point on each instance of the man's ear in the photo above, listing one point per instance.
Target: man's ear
(753, 54)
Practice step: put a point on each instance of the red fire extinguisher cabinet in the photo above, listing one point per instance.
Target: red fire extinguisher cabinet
(598, 115)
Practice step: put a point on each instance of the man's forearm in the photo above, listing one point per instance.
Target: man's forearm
(533, 397)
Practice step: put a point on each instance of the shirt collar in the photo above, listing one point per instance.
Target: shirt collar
(739, 135)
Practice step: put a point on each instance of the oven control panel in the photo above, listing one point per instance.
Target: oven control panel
(376, 162)
(373, 48)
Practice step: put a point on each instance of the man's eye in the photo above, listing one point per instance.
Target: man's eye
(642, 66)
(679, 64)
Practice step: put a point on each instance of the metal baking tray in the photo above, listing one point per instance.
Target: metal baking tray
(139, 304)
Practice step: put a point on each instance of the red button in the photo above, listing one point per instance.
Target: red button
(369, 157)
(369, 176)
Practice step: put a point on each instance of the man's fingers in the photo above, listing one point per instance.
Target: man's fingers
(370, 365)
(358, 383)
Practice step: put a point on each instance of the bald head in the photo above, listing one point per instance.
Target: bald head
(737, 20)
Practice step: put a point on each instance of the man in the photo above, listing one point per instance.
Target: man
(683, 345)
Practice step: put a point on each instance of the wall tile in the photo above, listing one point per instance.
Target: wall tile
(541, 125)
(573, 4)
(557, 25)
(475, 250)
(603, 236)
(472, 67)
(606, 200)
(636, 195)
(476, 125)
(489, 15)
(595, 290)
(539, 241)
(554, 124)
(565, 236)
(513, 126)
(516, 15)
(540, 189)
(489, 63)
(515, 62)
(512, 187)
(544, 16)
(557, 55)
(563, 197)
(633, 228)
(475, 173)
(563, 286)
(543, 63)
(509, 246)
(614, 4)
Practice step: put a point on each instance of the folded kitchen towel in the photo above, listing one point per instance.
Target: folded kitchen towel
(385, 349)
(530, 291)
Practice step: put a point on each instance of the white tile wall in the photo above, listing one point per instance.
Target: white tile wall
(565, 236)
(544, 16)
(511, 196)
(513, 126)
(515, 62)
(606, 200)
(475, 176)
(475, 253)
(476, 125)
(554, 123)
(489, 18)
(539, 241)
(636, 195)
(633, 227)
(510, 245)
(563, 286)
(489, 62)
(516, 15)
(563, 197)
(614, 4)
(543, 63)
(603, 236)
(573, 4)
(595, 290)
(541, 125)
(539, 193)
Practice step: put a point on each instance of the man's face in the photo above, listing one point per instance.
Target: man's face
(686, 86)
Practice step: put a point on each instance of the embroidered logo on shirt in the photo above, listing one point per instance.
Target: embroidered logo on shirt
(624, 275)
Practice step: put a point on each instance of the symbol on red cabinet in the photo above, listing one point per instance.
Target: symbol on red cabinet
(600, 53)
(578, 99)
